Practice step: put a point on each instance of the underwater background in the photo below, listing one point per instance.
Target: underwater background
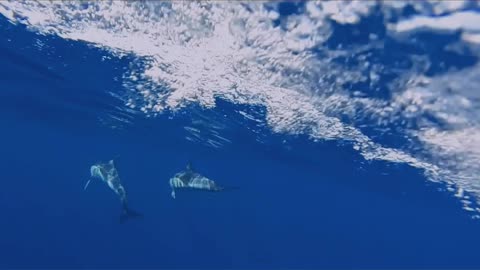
(351, 130)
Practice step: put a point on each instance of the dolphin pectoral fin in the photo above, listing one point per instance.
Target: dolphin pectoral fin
(86, 185)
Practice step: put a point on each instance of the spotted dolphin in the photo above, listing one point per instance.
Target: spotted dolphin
(189, 179)
(109, 174)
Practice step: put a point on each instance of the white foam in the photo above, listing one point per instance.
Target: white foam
(343, 12)
(453, 18)
(196, 52)
(465, 20)
(471, 37)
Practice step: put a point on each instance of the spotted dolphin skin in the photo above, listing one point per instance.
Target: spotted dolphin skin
(109, 174)
(189, 179)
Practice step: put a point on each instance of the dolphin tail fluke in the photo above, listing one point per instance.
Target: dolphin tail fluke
(128, 214)
(228, 188)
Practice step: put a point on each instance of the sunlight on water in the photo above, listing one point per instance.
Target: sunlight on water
(251, 54)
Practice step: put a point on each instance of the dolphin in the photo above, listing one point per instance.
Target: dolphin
(189, 179)
(109, 174)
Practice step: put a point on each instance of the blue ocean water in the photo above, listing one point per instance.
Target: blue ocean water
(300, 203)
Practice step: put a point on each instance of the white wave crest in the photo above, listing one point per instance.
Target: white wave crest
(247, 53)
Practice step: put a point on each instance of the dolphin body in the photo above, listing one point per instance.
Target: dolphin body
(109, 174)
(189, 179)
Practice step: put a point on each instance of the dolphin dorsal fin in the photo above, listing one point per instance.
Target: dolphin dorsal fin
(189, 166)
(111, 162)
